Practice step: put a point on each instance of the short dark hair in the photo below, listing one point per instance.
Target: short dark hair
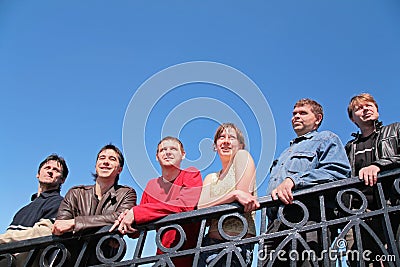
(121, 159)
(316, 107)
(58, 159)
(226, 125)
(116, 149)
(172, 139)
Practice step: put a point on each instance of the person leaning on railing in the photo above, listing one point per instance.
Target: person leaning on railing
(235, 182)
(176, 190)
(312, 158)
(94, 206)
(36, 219)
(375, 149)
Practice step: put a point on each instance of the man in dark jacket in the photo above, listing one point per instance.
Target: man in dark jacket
(375, 149)
(91, 207)
(97, 205)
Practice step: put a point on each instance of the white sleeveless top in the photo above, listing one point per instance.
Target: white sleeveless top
(220, 187)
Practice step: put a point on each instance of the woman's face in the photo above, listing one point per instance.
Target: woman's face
(227, 143)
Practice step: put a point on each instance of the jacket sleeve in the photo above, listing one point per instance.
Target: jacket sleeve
(127, 201)
(331, 164)
(389, 148)
(347, 148)
(186, 201)
(65, 211)
(39, 229)
(388, 163)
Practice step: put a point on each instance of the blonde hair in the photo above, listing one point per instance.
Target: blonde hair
(358, 99)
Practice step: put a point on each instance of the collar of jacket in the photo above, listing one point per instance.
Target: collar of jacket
(46, 194)
(378, 126)
(303, 137)
(110, 193)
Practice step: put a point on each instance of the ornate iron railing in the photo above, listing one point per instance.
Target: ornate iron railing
(322, 210)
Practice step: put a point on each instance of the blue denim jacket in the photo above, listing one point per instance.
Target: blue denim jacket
(313, 158)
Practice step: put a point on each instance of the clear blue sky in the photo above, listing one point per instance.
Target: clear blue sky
(69, 69)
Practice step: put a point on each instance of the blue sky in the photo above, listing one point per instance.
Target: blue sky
(70, 69)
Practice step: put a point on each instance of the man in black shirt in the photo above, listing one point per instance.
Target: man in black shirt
(36, 218)
(364, 155)
(375, 149)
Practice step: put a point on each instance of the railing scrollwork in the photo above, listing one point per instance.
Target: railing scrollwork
(330, 216)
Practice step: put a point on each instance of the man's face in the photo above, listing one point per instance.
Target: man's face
(50, 174)
(107, 165)
(365, 113)
(227, 143)
(169, 153)
(304, 120)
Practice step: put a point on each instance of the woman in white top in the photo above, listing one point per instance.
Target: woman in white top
(235, 182)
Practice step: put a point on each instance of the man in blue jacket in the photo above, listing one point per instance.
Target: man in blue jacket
(312, 158)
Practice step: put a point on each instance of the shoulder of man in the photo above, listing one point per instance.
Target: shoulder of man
(392, 129)
(392, 125)
(191, 169)
(124, 187)
(348, 145)
(81, 187)
(151, 183)
(192, 177)
(356, 135)
(326, 134)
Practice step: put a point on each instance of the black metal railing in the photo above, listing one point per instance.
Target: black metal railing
(338, 214)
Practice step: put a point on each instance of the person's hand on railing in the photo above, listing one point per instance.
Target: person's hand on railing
(248, 201)
(63, 226)
(369, 174)
(284, 191)
(124, 222)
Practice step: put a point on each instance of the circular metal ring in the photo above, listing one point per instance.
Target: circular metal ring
(120, 253)
(349, 210)
(230, 237)
(181, 240)
(294, 224)
(48, 255)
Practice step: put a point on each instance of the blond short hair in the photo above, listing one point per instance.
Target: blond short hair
(358, 99)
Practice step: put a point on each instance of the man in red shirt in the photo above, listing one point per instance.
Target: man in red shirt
(175, 191)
